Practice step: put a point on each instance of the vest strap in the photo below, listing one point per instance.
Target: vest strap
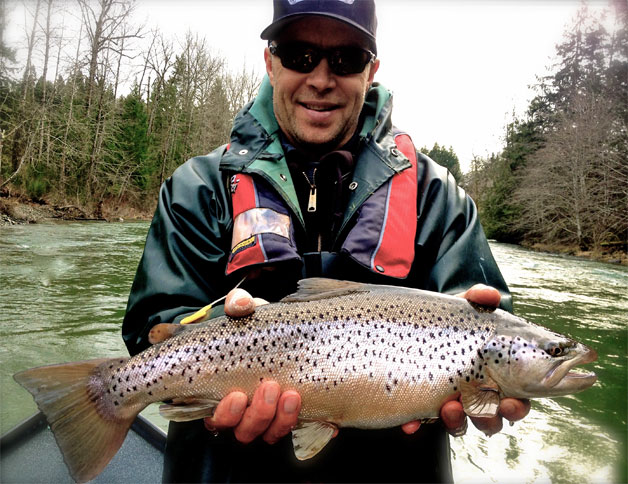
(382, 240)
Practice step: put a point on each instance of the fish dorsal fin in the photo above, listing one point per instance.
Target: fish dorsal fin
(317, 288)
(480, 400)
(310, 436)
(185, 410)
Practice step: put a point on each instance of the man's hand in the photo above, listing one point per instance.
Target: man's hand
(451, 412)
(271, 414)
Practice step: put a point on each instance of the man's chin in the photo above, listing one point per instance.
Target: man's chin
(320, 144)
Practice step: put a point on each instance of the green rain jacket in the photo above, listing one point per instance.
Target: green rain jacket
(183, 269)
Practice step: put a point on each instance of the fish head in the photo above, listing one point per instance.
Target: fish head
(529, 361)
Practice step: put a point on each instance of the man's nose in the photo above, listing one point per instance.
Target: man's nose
(322, 78)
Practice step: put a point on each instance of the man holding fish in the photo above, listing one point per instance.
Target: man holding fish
(316, 181)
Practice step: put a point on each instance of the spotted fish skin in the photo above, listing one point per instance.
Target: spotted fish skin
(360, 355)
(357, 360)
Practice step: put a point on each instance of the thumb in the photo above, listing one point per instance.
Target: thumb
(239, 303)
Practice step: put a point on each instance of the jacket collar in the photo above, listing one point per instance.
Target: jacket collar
(256, 148)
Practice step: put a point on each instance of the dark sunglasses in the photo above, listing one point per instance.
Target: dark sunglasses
(303, 57)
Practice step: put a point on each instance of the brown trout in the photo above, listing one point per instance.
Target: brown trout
(365, 356)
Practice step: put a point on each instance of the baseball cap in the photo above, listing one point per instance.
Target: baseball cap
(357, 13)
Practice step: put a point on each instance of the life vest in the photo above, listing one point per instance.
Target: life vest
(382, 238)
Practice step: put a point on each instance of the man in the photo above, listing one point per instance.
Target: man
(310, 185)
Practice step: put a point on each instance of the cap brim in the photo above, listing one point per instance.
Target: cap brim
(270, 32)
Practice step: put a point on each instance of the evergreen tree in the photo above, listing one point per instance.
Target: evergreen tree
(445, 157)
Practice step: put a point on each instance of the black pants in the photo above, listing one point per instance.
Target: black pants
(195, 455)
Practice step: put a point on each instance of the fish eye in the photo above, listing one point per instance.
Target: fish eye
(556, 349)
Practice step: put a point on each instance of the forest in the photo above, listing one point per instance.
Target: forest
(78, 140)
(562, 178)
(71, 135)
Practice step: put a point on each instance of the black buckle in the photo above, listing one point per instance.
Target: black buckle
(321, 264)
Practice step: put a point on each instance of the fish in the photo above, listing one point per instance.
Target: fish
(360, 355)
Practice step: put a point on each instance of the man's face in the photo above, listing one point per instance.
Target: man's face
(319, 110)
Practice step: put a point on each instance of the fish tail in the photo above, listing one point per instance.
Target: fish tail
(88, 428)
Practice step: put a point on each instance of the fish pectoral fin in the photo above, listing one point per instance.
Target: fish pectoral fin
(310, 436)
(183, 410)
(162, 331)
(479, 400)
(318, 288)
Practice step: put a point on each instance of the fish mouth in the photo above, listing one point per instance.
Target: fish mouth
(564, 378)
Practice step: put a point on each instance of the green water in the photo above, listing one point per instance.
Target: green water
(63, 290)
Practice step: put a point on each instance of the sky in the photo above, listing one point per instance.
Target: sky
(458, 69)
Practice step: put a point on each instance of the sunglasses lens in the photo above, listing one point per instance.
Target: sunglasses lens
(304, 58)
(348, 60)
(298, 57)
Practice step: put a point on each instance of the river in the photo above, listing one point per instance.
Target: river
(63, 290)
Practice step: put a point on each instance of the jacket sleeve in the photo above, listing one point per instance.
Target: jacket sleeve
(182, 267)
(452, 252)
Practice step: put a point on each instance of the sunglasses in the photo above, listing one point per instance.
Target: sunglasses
(302, 57)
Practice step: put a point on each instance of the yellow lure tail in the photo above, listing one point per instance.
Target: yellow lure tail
(199, 316)
(203, 313)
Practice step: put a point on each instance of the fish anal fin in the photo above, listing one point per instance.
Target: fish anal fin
(480, 400)
(310, 436)
(162, 331)
(317, 288)
(184, 410)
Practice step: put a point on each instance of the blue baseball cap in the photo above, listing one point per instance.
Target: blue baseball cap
(357, 13)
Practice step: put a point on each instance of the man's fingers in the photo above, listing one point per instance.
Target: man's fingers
(511, 409)
(260, 414)
(288, 409)
(488, 425)
(514, 409)
(259, 301)
(482, 294)
(229, 412)
(411, 427)
(454, 418)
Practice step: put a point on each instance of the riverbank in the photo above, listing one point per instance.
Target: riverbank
(611, 256)
(15, 210)
(20, 210)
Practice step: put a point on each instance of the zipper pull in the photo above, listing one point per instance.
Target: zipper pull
(311, 203)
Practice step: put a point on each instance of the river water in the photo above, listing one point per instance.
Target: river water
(63, 290)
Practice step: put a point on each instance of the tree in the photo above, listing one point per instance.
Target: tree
(573, 188)
(7, 93)
(445, 157)
(562, 176)
(576, 186)
(79, 136)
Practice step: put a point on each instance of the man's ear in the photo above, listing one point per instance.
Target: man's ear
(373, 69)
(268, 59)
